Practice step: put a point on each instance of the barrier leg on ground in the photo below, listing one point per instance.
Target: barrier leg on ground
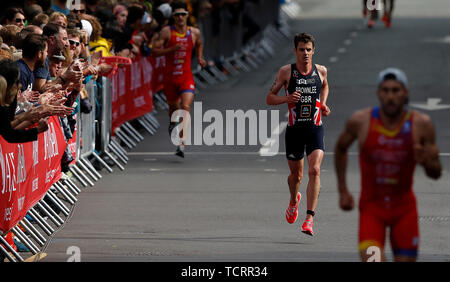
(78, 177)
(217, 73)
(32, 234)
(142, 121)
(44, 222)
(126, 128)
(69, 197)
(152, 120)
(25, 240)
(56, 201)
(50, 215)
(88, 170)
(108, 168)
(117, 145)
(10, 249)
(161, 101)
(78, 170)
(229, 67)
(119, 154)
(131, 127)
(40, 221)
(87, 163)
(203, 73)
(249, 58)
(114, 160)
(124, 138)
(239, 63)
(29, 226)
(57, 220)
(72, 185)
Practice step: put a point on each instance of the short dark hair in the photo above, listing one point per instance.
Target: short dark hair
(51, 29)
(20, 37)
(134, 13)
(32, 44)
(304, 38)
(179, 5)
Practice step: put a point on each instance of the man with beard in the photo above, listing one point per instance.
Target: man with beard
(392, 140)
(57, 39)
(34, 55)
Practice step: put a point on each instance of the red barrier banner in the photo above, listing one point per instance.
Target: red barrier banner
(27, 172)
(132, 93)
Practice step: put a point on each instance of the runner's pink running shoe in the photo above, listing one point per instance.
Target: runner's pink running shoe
(307, 227)
(292, 210)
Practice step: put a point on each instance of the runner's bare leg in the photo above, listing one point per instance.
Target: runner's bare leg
(295, 178)
(313, 188)
(186, 101)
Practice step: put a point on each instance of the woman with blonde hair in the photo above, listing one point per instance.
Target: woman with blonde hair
(59, 19)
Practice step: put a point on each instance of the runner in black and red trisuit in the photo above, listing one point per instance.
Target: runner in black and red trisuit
(306, 87)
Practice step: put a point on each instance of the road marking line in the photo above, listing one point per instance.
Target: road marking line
(342, 50)
(333, 59)
(270, 170)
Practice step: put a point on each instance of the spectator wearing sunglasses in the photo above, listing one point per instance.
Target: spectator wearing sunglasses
(74, 41)
(79, 8)
(15, 16)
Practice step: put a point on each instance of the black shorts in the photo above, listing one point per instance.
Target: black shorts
(301, 138)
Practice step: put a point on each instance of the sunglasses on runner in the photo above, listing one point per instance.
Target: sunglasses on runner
(73, 42)
(19, 20)
(180, 14)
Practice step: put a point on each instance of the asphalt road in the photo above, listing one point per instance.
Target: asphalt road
(227, 203)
